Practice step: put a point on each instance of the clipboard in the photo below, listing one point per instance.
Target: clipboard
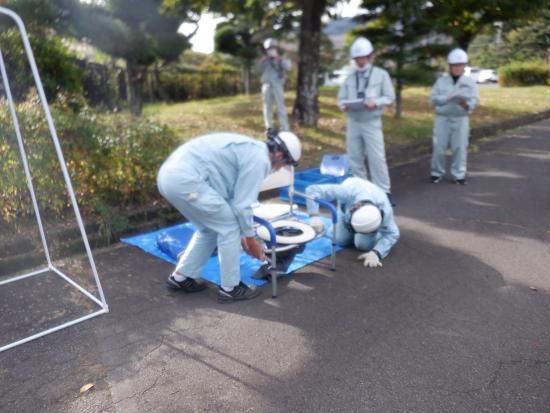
(354, 105)
(463, 92)
(457, 97)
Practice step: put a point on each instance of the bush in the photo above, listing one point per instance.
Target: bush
(58, 71)
(112, 159)
(190, 85)
(534, 72)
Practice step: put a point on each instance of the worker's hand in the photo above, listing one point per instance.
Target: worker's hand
(244, 244)
(253, 247)
(371, 259)
(463, 104)
(344, 108)
(317, 224)
(370, 105)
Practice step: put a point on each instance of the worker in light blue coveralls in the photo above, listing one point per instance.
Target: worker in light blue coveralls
(454, 96)
(365, 217)
(213, 180)
(373, 87)
(272, 68)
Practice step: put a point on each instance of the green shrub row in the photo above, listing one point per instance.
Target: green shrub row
(112, 160)
(527, 73)
(200, 85)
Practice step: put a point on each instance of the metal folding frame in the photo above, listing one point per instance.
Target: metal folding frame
(103, 308)
(272, 243)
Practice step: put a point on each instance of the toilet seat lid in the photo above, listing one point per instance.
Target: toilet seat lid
(304, 232)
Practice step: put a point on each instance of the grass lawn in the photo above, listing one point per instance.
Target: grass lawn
(244, 114)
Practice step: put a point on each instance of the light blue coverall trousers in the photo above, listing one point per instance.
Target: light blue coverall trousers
(349, 192)
(213, 180)
(452, 123)
(364, 134)
(273, 80)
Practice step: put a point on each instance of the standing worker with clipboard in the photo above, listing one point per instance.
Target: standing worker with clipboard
(363, 96)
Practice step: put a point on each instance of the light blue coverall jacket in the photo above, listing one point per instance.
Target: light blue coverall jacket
(364, 135)
(452, 123)
(213, 180)
(349, 192)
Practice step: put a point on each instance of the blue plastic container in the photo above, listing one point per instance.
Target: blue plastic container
(308, 177)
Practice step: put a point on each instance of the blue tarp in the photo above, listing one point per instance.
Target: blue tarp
(168, 242)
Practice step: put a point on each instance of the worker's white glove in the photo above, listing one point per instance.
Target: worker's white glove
(371, 259)
(317, 224)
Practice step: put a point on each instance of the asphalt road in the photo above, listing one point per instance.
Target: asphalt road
(457, 319)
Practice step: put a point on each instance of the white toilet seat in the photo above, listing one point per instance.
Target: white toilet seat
(306, 232)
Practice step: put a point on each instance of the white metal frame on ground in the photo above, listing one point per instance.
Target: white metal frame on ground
(50, 266)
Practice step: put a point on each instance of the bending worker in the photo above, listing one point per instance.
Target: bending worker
(272, 68)
(454, 96)
(370, 86)
(213, 180)
(365, 217)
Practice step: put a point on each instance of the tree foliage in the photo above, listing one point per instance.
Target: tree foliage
(141, 32)
(521, 41)
(464, 19)
(134, 30)
(56, 66)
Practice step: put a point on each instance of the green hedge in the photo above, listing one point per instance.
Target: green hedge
(200, 84)
(534, 72)
(112, 160)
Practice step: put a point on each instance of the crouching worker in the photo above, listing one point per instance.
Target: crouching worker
(213, 180)
(365, 217)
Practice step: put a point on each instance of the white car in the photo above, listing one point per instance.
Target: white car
(472, 72)
(487, 76)
(479, 75)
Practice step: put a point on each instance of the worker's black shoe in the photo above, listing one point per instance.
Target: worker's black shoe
(189, 285)
(239, 293)
(435, 179)
(460, 181)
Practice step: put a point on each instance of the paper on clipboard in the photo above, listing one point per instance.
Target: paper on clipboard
(463, 93)
(458, 96)
(354, 104)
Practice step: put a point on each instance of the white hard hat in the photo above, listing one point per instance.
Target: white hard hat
(361, 47)
(292, 145)
(366, 219)
(457, 56)
(268, 43)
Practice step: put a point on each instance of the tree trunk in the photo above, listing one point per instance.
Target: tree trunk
(158, 85)
(246, 77)
(306, 106)
(464, 40)
(398, 99)
(399, 90)
(135, 77)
